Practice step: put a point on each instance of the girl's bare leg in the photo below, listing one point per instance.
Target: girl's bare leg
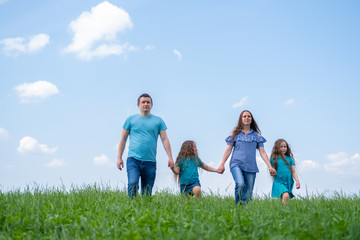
(197, 192)
(285, 197)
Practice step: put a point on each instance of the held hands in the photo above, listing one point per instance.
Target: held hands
(175, 170)
(171, 163)
(120, 163)
(221, 169)
(272, 171)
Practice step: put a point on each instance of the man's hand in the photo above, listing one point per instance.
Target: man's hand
(120, 163)
(171, 163)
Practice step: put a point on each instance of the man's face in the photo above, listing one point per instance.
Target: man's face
(145, 104)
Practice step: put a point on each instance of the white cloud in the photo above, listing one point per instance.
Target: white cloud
(100, 26)
(3, 133)
(133, 49)
(178, 54)
(13, 45)
(343, 164)
(105, 50)
(10, 167)
(55, 163)
(243, 101)
(37, 42)
(149, 48)
(212, 164)
(29, 92)
(31, 145)
(308, 165)
(102, 160)
(18, 45)
(288, 102)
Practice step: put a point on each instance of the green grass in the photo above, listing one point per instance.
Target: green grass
(95, 212)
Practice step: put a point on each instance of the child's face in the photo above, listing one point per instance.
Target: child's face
(194, 145)
(283, 147)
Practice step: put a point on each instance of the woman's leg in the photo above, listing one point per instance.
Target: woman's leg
(239, 182)
(249, 186)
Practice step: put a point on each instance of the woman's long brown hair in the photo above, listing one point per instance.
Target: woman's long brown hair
(276, 153)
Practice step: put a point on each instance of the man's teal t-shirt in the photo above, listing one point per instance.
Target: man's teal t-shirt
(189, 170)
(143, 133)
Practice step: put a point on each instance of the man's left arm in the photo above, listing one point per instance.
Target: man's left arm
(166, 144)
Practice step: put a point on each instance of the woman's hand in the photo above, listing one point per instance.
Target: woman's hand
(226, 155)
(221, 169)
(272, 171)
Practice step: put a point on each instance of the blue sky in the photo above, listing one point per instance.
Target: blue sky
(71, 71)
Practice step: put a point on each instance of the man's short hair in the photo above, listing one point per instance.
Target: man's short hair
(144, 95)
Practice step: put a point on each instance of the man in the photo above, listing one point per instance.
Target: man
(143, 129)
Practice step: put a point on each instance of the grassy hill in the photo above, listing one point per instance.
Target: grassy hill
(93, 212)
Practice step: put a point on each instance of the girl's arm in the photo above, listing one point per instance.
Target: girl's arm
(294, 174)
(265, 157)
(176, 170)
(208, 168)
(226, 155)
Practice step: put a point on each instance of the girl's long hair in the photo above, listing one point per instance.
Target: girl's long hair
(240, 125)
(276, 153)
(187, 151)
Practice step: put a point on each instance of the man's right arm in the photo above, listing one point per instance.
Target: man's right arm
(124, 136)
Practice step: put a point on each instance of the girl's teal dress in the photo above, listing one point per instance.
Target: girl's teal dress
(283, 180)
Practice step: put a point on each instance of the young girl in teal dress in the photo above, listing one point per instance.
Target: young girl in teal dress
(282, 160)
(186, 167)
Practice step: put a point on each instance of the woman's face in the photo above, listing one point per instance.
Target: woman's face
(246, 118)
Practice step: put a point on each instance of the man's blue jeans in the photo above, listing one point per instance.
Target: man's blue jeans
(244, 184)
(145, 170)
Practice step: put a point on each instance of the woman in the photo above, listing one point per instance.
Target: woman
(243, 142)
